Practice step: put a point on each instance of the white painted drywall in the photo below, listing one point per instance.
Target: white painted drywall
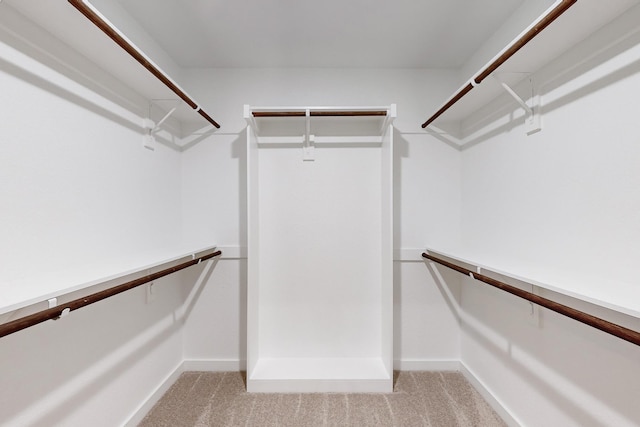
(79, 190)
(427, 197)
(94, 367)
(81, 199)
(564, 204)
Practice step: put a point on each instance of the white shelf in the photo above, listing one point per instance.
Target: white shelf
(577, 23)
(318, 122)
(617, 296)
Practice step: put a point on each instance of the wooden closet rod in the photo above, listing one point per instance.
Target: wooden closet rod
(593, 321)
(138, 56)
(319, 113)
(526, 38)
(57, 312)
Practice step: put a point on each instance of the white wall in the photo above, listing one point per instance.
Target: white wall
(81, 199)
(563, 204)
(426, 190)
(80, 189)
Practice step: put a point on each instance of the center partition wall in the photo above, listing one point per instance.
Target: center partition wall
(320, 278)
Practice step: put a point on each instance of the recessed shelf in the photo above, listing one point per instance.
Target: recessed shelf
(320, 273)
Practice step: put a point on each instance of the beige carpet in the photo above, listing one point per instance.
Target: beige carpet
(437, 399)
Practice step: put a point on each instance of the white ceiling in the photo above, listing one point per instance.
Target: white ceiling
(320, 33)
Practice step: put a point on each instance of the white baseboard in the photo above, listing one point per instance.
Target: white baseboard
(491, 399)
(234, 365)
(425, 365)
(319, 386)
(146, 406)
(186, 365)
(214, 365)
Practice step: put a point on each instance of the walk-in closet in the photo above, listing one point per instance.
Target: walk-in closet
(336, 213)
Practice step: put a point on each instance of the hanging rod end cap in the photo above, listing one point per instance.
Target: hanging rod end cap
(63, 313)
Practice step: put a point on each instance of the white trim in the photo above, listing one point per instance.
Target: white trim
(391, 109)
(426, 365)
(399, 254)
(214, 365)
(222, 365)
(234, 365)
(491, 399)
(320, 386)
(154, 397)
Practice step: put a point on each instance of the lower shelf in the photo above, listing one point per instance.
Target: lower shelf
(316, 375)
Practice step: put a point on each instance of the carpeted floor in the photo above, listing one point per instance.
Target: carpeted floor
(436, 399)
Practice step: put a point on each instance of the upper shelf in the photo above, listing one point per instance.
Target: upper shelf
(109, 29)
(565, 24)
(334, 124)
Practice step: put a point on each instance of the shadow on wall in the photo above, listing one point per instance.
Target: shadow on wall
(566, 362)
(397, 311)
(448, 286)
(24, 39)
(197, 279)
(492, 338)
(400, 151)
(23, 36)
(59, 366)
(239, 151)
(59, 91)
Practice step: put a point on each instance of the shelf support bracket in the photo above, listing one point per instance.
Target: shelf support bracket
(532, 121)
(162, 120)
(150, 127)
(176, 103)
